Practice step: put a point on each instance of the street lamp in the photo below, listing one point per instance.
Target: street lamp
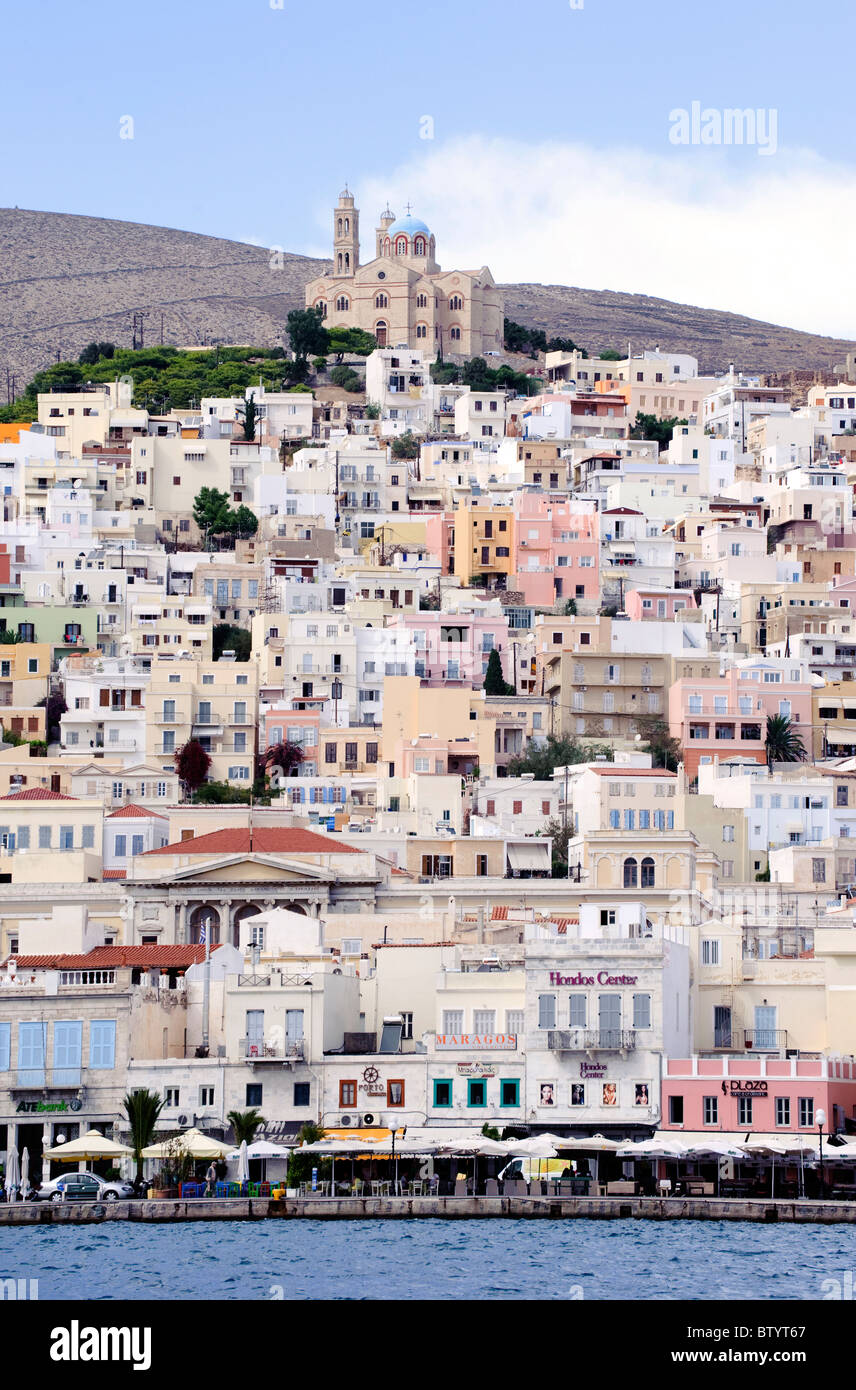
(336, 694)
(820, 1116)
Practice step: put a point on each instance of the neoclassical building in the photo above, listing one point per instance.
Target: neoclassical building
(402, 296)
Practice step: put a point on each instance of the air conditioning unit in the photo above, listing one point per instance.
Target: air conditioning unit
(346, 1120)
(183, 1119)
(371, 1120)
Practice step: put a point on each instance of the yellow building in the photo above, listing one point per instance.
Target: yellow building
(484, 540)
(212, 702)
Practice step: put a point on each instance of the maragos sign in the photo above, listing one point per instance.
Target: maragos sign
(489, 1042)
(602, 978)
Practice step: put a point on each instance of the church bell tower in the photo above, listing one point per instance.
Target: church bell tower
(346, 237)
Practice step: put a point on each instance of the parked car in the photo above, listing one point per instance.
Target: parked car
(82, 1187)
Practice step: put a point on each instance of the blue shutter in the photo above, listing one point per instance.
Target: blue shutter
(5, 1045)
(67, 1053)
(31, 1053)
(102, 1044)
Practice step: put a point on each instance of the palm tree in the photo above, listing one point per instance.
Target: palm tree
(783, 744)
(142, 1108)
(245, 1123)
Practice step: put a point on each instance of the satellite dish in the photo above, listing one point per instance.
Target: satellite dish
(78, 482)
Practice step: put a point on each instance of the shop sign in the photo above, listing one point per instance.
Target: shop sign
(476, 1069)
(36, 1107)
(745, 1088)
(371, 1083)
(603, 977)
(481, 1042)
(592, 1069)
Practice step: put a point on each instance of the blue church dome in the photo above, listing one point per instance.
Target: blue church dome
(408, 226)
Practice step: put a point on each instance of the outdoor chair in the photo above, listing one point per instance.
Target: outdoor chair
(433, 1186)
(375, 1187)
(417, 1187)
(359, 1187)
(233, 1189)
(536, 1188)
(221, 1189)
(191, 1189)
(491, 1188)
(461, 1187)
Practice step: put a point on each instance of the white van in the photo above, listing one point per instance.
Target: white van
(547, 1169)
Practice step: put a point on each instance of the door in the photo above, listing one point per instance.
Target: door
(765, 1026)
(721, 1026)
(255, 1032)
(609, 1020)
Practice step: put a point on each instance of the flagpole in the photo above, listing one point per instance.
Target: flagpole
(206, 986)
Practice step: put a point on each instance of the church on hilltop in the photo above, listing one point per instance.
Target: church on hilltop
(402, 296)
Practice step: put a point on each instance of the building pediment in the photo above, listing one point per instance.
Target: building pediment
(249, 868)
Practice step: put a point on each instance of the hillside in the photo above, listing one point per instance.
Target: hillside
(66, 280)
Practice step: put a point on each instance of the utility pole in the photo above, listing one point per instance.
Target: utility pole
(138, 342)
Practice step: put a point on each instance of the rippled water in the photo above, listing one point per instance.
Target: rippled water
(473, 1259)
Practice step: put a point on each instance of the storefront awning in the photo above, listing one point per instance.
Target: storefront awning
(530, 857)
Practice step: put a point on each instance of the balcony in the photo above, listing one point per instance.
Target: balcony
(591, 1040)
(762, 1039)
(257, 1050)
(241, 719)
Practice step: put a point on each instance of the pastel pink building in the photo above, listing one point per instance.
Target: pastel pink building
(454, 648)
(726, 715)
(662, 605)
(440, 539)
(761, 1094)
(282, 724)
(556, 550)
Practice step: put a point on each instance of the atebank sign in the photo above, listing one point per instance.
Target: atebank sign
(603, 977)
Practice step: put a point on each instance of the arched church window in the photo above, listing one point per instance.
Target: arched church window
(343, 304)
(455, 333)
(401, 246)
(422, 330)
(340, 226)
(456, 302)
(419, 248)
(386, 246)
(340, 263)
(381, 301)
(347, 260)
(347, 224)
(319, 304)
(422, 301)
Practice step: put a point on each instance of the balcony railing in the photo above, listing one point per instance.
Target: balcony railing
(258, 1050)
(591, 1039)
(764, 1039)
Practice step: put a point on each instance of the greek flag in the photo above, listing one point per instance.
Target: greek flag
(202, 935)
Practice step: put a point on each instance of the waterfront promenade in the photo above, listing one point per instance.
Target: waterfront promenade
(443, 1208)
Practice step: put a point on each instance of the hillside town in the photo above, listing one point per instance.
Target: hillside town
(458, 656)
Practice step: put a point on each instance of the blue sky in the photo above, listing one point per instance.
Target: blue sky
(249, 118)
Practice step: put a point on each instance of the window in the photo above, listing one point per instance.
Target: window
(711, 1110)
(577, 1010)
(783, 1112)
(206, 1097)
(476, 1094)
(5, 1046)
(818, 870)
(509, 1094)
(676, 1110)
(484, 1021)
(515, 1021)
(102, 1044)
(347, 1094)
(172, 1097)
(546, 1010)
(648, 872)
(301, 1093)
(641, 1011)
(806, 1105)
(442, 1095)
(66, 837)
(744, 1110)
(453, 1022)
(395, 1094)
(254, 1094)
(631, 873)
(710, 952)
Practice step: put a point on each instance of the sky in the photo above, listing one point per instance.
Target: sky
(553, 140)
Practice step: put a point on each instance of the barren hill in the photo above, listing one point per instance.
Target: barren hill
(66, 280)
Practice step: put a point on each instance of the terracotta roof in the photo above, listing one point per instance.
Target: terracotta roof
(115, 873)
(264, 841)
(499, 914)
(37, 794)
(621, 771)
(108, 957)
(135, 811)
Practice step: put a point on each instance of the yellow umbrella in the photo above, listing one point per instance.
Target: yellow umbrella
(192, 1142)
(90, 1145)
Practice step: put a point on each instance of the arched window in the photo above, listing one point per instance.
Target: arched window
(631, 873)
(422, 301)
(340, 263)
(347, 261)
(347, 224)
(401, 246)
(419, 248)
(343, 304)
(387, 246)
(380, 332)
(422, 330)
(455, 333)
(647, 873)
(319, 304)
(340, 226)
(456, 302)
(381, 301)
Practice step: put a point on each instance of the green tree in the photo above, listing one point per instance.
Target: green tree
(666, 751)
(372, 411)
(405, 446)
(96, 352)
(570, 608)
(142, 1108)
(556, 751)
(353, 340)
(243, 522)
(494, 681)
(221, 794)
(248, 416)
(192, 764)
(307, 334)
(229, 638)
(610, 355)
(561, 835)
(54, 707)
(211, 511)
(346, 378)
(651, 427)
(245, 1123)
(783, 744)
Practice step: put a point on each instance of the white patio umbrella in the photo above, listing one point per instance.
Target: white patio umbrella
(243, 1163)
(92, 1145)
(192, 1142)
(13, 1172)
(25, 1173)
